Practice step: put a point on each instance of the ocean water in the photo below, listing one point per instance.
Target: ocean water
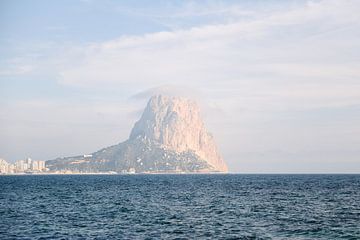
(232, 206)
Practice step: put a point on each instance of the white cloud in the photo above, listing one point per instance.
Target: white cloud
(291, 46)
(16, 66)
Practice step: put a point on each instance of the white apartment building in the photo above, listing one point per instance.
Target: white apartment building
(22, 166)
(4, 166)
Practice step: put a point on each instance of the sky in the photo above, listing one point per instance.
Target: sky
(278, 82)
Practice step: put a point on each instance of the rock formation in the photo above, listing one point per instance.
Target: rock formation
(169, 137)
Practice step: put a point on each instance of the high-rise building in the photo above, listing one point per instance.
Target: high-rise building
(41, 165)
(4, 166)
(28, 162)
(35, 166)
(22, 166)
(19, 166)
(11, 168)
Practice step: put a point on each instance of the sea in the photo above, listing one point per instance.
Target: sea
(184, 206)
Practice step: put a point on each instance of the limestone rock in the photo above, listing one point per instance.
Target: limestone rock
(176, 123)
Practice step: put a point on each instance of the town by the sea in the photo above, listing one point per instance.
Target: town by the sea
(188, 206)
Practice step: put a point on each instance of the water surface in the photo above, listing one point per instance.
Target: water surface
(180, 207)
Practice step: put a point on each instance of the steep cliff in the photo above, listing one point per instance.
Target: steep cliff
(176, 124)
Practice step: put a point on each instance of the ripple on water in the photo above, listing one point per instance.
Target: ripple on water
(180, 206)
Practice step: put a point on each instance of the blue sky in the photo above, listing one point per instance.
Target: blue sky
(278, 81)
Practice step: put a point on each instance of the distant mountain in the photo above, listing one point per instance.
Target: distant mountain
(169, 137)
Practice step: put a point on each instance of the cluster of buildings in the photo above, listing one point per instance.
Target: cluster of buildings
(22, 166)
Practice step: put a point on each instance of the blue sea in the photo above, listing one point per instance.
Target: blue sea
(230, 206)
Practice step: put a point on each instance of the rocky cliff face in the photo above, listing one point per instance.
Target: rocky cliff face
(176, 124)
(169, 137)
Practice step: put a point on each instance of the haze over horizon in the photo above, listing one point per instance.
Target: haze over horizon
(278, 82)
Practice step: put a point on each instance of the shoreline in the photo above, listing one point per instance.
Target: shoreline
(168, 173)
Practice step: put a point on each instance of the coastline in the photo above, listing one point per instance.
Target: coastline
(168, 173)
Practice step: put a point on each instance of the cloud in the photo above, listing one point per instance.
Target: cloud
(293, 47)
(173, 90)
(16, 66)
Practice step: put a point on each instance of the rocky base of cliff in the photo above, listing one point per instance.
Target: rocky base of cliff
(139, 155)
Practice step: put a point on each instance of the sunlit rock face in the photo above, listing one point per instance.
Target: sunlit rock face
(169, 137)
(176, 124)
